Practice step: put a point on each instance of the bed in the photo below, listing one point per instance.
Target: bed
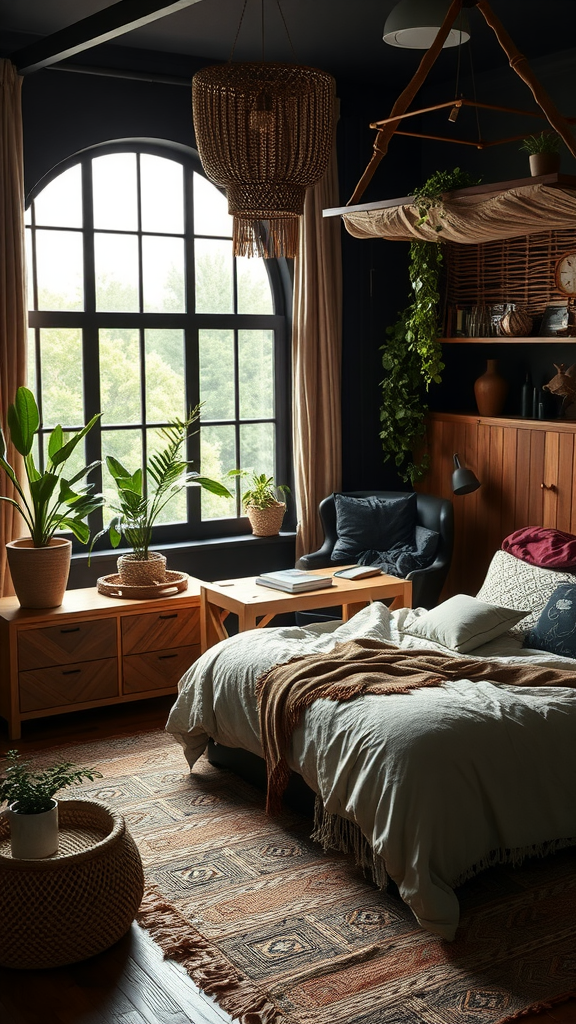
(428, 787)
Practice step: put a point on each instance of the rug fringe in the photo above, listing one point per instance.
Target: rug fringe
(336, 833)
(539, 1007)
(205, 963)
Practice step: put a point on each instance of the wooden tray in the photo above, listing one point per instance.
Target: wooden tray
(173, 584)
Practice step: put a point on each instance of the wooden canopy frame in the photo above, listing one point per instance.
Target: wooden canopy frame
(390, 126)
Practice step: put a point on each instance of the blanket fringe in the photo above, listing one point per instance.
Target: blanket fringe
(336, 833)
(204, 962)
(514, 857)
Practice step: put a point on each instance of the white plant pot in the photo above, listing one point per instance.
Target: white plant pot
(33, 835)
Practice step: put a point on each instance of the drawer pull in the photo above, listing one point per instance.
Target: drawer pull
(172, 615)
(71, 629)
(70, 671)
(161, 657)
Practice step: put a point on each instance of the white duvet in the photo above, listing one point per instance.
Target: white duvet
(442, 781)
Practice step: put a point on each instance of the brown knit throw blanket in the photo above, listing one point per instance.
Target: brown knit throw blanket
(365, 666)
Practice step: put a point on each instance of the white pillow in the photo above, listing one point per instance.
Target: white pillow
(463, 623)
(517, 584)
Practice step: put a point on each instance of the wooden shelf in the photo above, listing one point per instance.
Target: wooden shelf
(553, 339)
(559, 426)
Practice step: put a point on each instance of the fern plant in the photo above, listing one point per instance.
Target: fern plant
(412, 355)
(141, 497)
(34, 789)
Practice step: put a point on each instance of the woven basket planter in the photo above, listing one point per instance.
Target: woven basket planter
(39, 575)
(138, 572)
(66, 908)
(266, 522)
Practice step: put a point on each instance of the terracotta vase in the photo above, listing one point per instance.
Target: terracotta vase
(490, 390)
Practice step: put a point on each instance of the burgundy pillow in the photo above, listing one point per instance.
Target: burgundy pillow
(551, 549)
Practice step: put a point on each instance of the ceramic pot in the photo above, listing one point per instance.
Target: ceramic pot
(33, 835)
(135, 572)
(266, 522)
(544, 163)
(490, 390)
(39, 575)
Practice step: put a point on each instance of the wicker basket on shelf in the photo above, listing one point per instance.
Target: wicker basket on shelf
(266, 522)
(79, 902)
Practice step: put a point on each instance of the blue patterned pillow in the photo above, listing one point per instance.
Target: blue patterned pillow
(555, 630)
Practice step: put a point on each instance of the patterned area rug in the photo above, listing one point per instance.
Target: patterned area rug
(283, 934)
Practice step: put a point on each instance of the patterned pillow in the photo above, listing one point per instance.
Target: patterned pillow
(555, 630)
(516, 584)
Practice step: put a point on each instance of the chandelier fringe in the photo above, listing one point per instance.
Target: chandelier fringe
(269, 239)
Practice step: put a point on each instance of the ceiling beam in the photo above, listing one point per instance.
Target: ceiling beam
(113, 21)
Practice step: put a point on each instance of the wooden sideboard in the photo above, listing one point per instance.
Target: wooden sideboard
(527, 470)
(92, 651)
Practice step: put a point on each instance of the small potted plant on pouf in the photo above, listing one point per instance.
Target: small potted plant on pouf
(141, 498)
(544, 150)
(32, 809)
(50, 501)
(265, 512)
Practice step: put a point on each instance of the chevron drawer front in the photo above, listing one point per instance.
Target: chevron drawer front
(68, 642)
(157, 669)
(72, 684)
(169, 627)
(92, 651)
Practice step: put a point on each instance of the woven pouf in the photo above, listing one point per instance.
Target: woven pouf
(68, 907)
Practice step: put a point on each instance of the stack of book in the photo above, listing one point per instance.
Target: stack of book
(293, 581)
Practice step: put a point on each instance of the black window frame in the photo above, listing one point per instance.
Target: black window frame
(89, 321)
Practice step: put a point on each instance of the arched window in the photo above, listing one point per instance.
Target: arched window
(139, 311)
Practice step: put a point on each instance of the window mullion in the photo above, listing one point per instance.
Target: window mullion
(90, 340)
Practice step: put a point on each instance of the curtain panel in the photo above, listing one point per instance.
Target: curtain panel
(316, 359)
(13, 318)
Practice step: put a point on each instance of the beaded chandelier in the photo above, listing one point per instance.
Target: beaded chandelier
(264, 133)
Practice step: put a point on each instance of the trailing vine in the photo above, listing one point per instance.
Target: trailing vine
(412, 355)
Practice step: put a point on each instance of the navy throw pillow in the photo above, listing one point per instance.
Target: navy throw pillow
(555, 630)
(379, 523)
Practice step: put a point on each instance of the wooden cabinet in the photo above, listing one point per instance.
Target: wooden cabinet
(527, 470)
(92, 651)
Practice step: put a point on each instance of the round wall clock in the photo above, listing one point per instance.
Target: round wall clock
(565, 274)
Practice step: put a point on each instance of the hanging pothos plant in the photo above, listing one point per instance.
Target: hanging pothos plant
(412, 355)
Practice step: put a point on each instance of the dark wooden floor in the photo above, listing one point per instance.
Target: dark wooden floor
(130, 983)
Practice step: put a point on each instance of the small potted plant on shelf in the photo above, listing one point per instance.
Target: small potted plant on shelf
(32, 809)
(48, 502)
(544, 150)
(141, 498)
(265, 512)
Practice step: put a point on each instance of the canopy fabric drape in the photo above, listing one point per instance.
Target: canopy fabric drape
(316, 359)
(12, 288)
(471, 219)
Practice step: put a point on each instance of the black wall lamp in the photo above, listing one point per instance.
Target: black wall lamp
(464, 481)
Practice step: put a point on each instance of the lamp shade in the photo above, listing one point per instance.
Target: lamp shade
(264, 133)
(464, 481)
(414, 24)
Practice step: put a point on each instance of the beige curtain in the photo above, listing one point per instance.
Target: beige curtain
(316, 359)
(12, 287)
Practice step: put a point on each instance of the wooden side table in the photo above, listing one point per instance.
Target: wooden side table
(256, 606)
(93, 650)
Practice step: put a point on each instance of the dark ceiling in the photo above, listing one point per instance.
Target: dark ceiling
(341, 36)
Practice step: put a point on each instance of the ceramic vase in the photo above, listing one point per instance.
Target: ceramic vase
(33, 835)
(39, 575)
(490, 390)
(544, 163)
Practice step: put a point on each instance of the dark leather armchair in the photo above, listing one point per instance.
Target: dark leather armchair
(431, 512)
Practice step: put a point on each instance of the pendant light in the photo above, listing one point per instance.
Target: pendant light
(414, 24)
(264, 132)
